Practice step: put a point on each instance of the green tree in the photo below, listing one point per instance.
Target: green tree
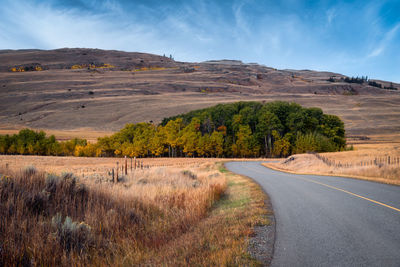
(267, 122)
(245, 145)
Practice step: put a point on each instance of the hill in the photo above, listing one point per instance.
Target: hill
(97, 90)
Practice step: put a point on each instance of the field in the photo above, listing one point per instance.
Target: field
(87, 167)
(377, 161)
(169, 213)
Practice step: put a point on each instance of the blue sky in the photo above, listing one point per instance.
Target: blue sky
(350, 37)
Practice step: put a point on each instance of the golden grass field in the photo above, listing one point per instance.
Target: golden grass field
(185, 212)
(360, 163)
(86, 166)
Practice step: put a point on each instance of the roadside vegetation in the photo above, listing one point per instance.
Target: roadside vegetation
(242, 129)
(197, 215)
(375, 162)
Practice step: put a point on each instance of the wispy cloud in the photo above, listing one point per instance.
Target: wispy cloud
(341, 36)
(330, 15)
(387, 38)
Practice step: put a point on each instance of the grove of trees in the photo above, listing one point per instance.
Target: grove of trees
(242, 129)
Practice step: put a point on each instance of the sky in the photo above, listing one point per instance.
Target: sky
(355, 38)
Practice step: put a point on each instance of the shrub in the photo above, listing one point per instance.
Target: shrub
(51, 183)
(30, 170)
(190, 174)
(36, 202)
(72, 235)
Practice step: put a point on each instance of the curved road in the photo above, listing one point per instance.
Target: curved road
(329, 221)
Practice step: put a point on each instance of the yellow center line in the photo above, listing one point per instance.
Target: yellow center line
(339, 189)
(350, 193)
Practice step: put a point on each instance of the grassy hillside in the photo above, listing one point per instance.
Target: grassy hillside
(112, 88)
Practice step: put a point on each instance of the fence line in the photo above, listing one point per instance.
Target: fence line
(388, 160)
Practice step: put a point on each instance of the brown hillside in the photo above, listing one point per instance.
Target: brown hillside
(97, 90)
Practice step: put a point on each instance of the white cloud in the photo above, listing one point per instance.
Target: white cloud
(330, 15)
(387, 38)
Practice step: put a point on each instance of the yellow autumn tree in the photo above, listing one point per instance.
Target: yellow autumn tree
(158, 142)
(217, 143)
(173, 133)
(190, 137)
(281, 145)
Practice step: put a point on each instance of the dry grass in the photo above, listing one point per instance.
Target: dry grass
(363, 153)
(89, 166)
(58, 103)
(163, 215)
(92, 167)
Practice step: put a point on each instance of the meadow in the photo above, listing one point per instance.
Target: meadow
(375, 161)
(172, 212)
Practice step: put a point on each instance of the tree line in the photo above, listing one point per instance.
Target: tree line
(242, 129)
(361, 80)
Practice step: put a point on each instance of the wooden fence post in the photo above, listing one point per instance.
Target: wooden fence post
(135, 163)
(113, 178)
(126, 166)
(117, 172)
(131, 164)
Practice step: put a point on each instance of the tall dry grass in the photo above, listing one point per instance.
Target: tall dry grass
(359, 163)
(59, 220)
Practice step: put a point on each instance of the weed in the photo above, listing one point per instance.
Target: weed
(30, 170)
(189, 174)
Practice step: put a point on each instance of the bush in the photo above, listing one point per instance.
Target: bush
(51, 183)
(36, 202)
(190, 174)
(30, 170)
(72, 235)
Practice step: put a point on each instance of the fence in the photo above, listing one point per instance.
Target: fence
(113, 169)
(377, 161)
(136, 164)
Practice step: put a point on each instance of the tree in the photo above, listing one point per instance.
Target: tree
(204, 148)
(267, 122)
(173, 133)
(245, 145)
(333, 128)
(217, 144)
(282, 145)
(159, 141)
(190, 137)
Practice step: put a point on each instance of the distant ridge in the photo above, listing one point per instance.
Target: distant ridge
(74, 88)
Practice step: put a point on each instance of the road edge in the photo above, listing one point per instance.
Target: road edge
(261, 243)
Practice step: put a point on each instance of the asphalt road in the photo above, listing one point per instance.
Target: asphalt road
(329, 221)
